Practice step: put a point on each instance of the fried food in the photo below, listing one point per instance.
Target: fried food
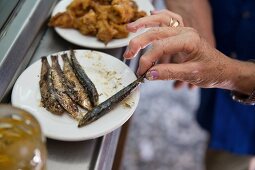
(102, 11)
(105, 31)
(105, 19)
(122, 32)
(79, 7)
(63, 20)
(122, 11)
(87, 24)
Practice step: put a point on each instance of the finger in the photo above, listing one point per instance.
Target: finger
(168, 46)
(175, 58)
(178, 84)
(158, 19)
(143, 40)
(170, 14)
(164, 59)
(178, 58)
(147, 22)
(169, 72)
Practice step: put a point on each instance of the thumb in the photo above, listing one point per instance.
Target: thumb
(169, 72)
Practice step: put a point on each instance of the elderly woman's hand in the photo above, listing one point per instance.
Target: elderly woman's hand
(159, 19)
(203, 66)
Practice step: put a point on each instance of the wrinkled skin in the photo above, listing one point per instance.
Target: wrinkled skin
(204, 66)
(161, 18)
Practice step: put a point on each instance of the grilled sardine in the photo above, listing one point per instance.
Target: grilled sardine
(69, 88)
(78, 90)
(87, 84)
(47, 91)
(62, 93)
(109, 104)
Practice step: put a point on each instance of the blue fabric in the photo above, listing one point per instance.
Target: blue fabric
(231, 124)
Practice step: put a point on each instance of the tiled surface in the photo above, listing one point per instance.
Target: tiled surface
(163, 134)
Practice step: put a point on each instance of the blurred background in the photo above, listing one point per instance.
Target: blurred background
(163, 133)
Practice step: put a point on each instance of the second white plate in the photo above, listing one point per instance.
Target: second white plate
(77, 38)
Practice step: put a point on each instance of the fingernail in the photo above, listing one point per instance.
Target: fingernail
(152, 75)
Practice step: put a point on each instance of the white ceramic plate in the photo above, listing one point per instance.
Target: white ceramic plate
(26, 95)
(77, 38)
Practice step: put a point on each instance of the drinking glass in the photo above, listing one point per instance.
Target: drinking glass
(22, 145)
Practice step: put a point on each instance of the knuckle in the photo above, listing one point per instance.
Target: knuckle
(159, 47)
(179, 17)
(194, 34)
(195, 76)
(193, 41)
(189, 47)
(154, 30)
(157, 33)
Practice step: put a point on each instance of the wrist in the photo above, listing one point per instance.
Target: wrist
(242, 76)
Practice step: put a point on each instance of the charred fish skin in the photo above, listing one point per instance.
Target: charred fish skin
(43, 81)
(82, 96)
(69, 88)
(109, 104)
(85, 81)
(48, 99)
(61, 95)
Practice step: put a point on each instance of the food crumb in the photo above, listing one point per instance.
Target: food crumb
(128, 102)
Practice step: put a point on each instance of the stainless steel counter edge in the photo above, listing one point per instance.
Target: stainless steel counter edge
(18, 38)
(107, 150)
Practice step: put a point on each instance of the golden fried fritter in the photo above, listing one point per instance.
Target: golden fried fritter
(105, 31)
(63, 20)
(122, 11)
(79, 7)
(88, 23)
(122, 31)
(101, 10)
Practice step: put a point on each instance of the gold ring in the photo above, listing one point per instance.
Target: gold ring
(174, 22)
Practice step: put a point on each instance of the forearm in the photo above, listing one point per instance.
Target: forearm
(196, 14)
